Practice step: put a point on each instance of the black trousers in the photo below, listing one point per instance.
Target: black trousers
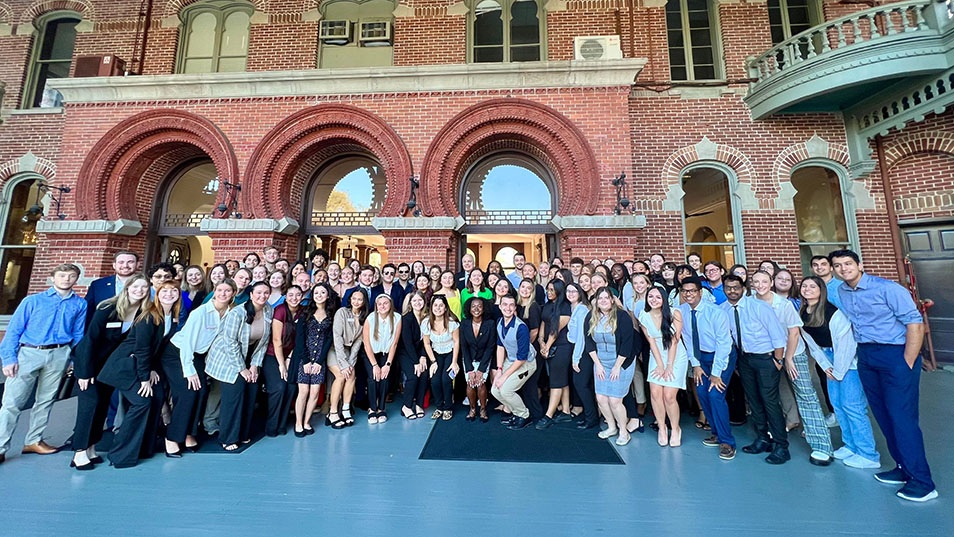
(185, 401)
(92, 405)
(235, 416)
(584, 387)
(442, 386)
(735, 398)
(203, 397)
(281, 393)
(414, 386)
(137, 433)
(760, 380)
(377, 389)
(530, 394)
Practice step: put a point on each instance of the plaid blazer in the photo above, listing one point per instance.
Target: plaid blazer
(227, 353)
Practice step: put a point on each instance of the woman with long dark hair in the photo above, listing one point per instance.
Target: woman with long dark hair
(313, 339)
(111, 323)
(442, 344)
(280, 366)
(235, 356)
(347, 330)
(421, 284)
(434, 273)
(558, 352)
(669, 362)
(619, 277)
(449, 291)
(476, 286)
(133, 369)
(381, 334)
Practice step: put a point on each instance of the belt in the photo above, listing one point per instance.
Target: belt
(44, 347)
(758, 355)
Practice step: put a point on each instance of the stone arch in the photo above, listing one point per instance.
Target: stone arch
(25, 164)
(813, 148)
(173, 8)
(515, 122)
(39, 7)
(708, 151)
(6, 13)
(918, 142)
(107, 184)
(273, 183)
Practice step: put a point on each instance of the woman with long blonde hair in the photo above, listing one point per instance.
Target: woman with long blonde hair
(381, 334)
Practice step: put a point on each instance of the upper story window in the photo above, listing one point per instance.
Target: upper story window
(52, 58)
(356, 33)
(692, 27)
(791, 17)
(507, 31)
(214, 37)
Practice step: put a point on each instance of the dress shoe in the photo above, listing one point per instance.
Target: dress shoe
(82, 467)
(3, 457)
(820, 458)
(759, 446)
(40, 448)
(779, 455)
(563, 417)
(96, 460)
(518, 423)
(726, 452)
(588, 424)
(544, 422)
(507, 419)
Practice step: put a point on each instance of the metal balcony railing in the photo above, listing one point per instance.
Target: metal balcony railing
(342, 219)
(508, 218)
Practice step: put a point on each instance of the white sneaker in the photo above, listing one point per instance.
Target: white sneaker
(831, 420)
(906, 496)
(843, 453)
(857, 461)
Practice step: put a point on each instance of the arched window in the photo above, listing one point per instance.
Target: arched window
(18, 244)
(214, 37)
(507, 190)
(189, 197)
(507, 31)
(710, 217)
(695, 48)
(819, 213)
(52, 58)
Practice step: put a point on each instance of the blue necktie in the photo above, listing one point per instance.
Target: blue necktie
(696, 351)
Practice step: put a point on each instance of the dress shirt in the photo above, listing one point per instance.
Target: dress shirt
(832, 288)
(788, 316)
(44, 319)
(879, 310)
(713, 325)
(515, 279)
(396, 293)
(762, 332)
(196, 336)
(717, 292)
(523, 338)
(576, 331)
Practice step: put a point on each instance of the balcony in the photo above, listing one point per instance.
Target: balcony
(835, 65)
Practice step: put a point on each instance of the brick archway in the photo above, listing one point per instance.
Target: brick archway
(272, 182)
(39, 7)
(920, 142)
(108, 182)
(516, 123)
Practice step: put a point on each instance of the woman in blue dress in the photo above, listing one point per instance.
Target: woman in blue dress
(668, 363)
(609, 342)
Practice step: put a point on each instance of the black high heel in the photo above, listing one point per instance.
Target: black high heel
(301, 434)
(82, 467)
(96, 460)
(176, 455)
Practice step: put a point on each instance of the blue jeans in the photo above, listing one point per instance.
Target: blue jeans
(713, 401)
(851, 408)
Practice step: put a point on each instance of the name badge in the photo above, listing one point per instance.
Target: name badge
(351, 320)
(116, 324)
(211, 327)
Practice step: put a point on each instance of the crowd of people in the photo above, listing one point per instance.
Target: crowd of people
(601, 345)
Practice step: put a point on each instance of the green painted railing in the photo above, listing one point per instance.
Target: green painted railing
(848, 32)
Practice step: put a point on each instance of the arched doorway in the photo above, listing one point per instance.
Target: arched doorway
(710, 215)
(508, 201)
(344, 195)
(186, 197)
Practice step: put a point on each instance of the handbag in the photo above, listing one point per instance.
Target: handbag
(67, 385)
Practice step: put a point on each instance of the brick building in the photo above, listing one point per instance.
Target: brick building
(746, 129)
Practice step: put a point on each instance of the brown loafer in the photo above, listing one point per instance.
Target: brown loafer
(40, 448)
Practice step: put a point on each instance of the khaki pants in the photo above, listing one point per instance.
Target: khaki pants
(507, 394)
(42, 369)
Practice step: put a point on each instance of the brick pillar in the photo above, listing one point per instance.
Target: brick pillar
(433, 247)
(235, 245)
(601, 243)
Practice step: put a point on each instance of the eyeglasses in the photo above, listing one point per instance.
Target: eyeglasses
(388, 273)
(688, 291)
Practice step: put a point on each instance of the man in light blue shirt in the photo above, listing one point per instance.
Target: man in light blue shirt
(515, 277)
(705, 331)
(36, 352)
(821, 267)
(889, 330)
(759, 339)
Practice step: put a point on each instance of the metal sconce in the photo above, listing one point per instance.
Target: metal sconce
(622, 203)
(412, 201)
(35, 212)
(231, 193)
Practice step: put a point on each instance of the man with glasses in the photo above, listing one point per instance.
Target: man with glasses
(759, 340)
(159, 274)
(404, 277)
(705, 331)
(389, 287)
(714, 272)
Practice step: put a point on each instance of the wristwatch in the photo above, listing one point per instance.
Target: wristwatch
(779, 361)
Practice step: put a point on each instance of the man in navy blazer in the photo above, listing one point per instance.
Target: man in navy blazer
(467, 264)
(125, 264)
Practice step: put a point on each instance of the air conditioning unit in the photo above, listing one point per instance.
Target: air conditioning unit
(103, 65)
(335, 32)
(601, 47)
(374, 32)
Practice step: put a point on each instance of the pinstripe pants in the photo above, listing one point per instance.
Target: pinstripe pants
(813, 419)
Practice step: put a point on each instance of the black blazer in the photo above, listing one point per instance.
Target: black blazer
(624, 337)
(103, 335)
(137, 355)
(479, 349)
(99, 290)
(461, 280)
(411, 346)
